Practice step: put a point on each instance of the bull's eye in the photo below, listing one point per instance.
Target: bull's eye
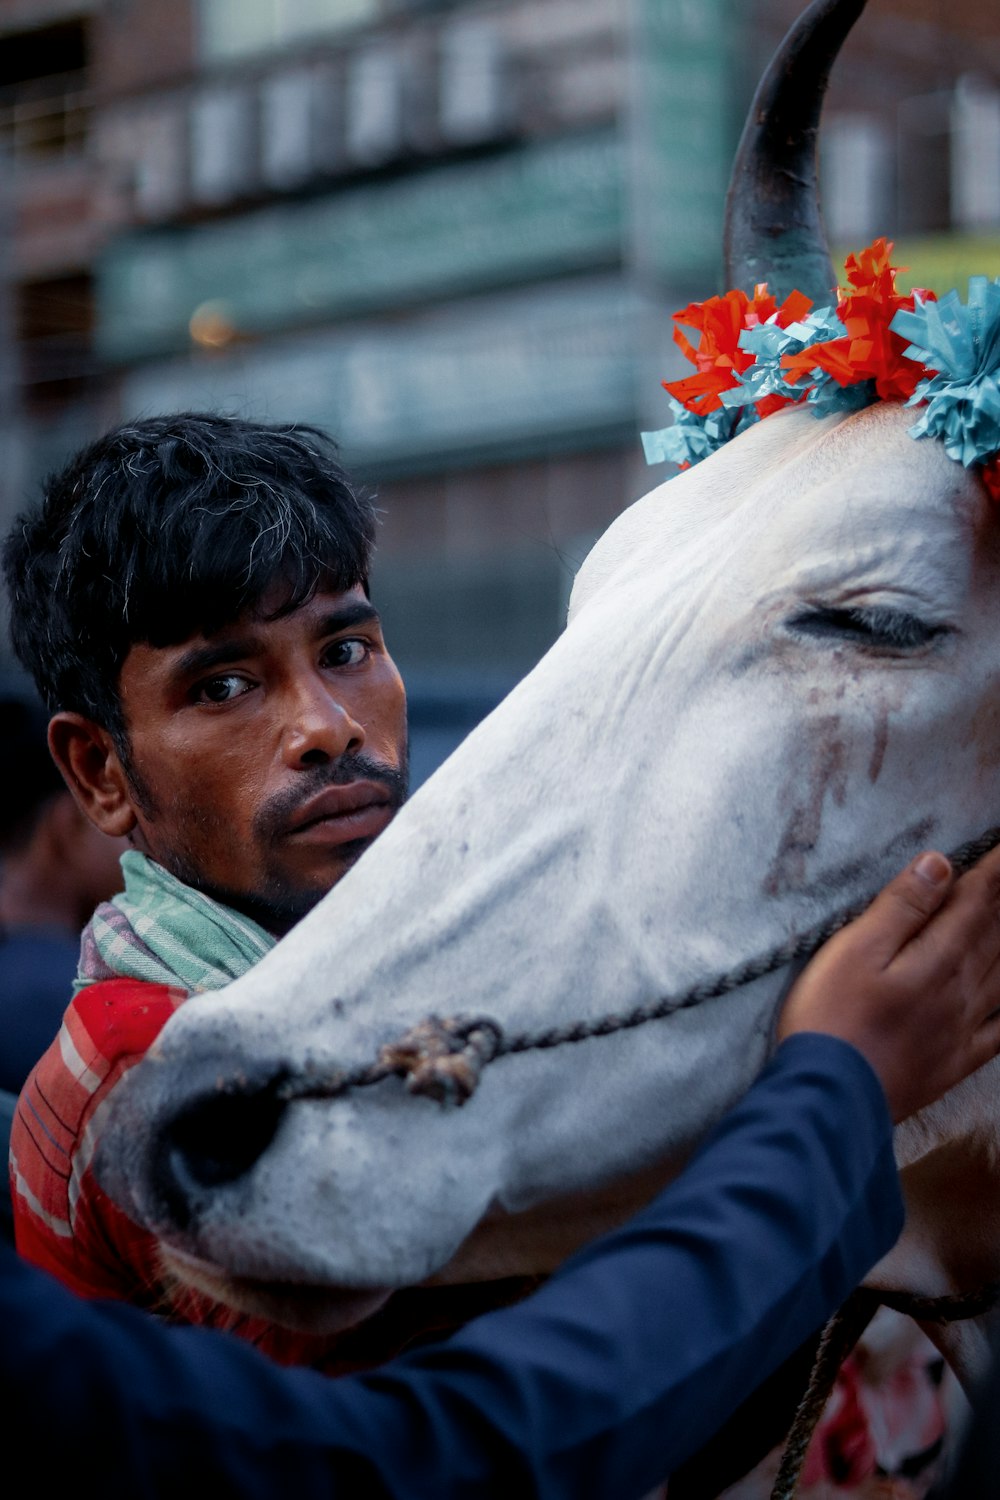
(876, 626)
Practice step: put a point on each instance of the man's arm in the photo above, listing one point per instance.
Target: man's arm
(626, 1362)
(596, 1386)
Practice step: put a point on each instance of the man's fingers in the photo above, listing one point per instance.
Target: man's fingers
(913, 983)
(965, 937)
(973, 919)
(902, 910)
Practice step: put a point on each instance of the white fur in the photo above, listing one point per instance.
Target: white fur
(682, 782)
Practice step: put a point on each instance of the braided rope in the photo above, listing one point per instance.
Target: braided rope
(480, 1040)
(839, 1337)
(952, 1307)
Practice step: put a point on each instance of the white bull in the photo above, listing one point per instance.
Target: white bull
(779, 680)
(768, 697)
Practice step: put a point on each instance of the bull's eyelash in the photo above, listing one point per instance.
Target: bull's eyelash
(875, 625)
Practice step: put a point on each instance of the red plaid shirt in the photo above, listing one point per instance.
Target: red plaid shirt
(63, 1221)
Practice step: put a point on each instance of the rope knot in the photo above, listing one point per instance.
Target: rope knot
(442, 1057)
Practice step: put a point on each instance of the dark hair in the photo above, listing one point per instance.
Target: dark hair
(171, 527)
(28, 774)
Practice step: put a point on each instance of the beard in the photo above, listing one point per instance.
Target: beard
(278, 900)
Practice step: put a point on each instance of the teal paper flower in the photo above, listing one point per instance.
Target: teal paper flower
(769, 344)
(692, 438)
(961, 347)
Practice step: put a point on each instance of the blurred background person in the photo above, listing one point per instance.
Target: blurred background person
(55, 867)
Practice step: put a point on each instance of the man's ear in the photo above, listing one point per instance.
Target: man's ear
(86, 755)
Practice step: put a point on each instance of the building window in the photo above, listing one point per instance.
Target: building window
(239, 28)
(44, 101)
(55, 336)
(474, 92)
(924, 126)
(856, 170)
(975, 154)
(223, 144)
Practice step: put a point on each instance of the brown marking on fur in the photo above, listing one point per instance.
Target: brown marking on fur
(881, 743)
(824, 773)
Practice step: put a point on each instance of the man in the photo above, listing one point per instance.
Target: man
(54, 869)
(637, 1351)
(191, 598)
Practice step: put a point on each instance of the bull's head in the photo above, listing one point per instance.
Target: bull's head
(779, 681)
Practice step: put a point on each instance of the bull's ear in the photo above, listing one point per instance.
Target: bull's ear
(90, 765)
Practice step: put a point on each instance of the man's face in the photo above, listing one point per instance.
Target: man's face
(267, 757)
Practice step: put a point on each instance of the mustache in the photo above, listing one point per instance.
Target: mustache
(274, 816)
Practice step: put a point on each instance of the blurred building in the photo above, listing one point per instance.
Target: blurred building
(451, 231)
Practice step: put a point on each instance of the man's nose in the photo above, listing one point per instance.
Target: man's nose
(319, 727)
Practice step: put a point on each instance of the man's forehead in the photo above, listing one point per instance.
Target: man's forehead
(327, 599)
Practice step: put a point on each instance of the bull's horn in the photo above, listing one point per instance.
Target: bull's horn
(774, 230)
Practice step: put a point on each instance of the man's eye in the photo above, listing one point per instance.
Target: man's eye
(889, 629)
(222, 689)
(347, 653)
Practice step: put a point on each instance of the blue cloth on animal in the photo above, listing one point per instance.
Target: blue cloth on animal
(598, 1385)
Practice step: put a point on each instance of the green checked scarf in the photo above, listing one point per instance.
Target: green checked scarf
(165, 932)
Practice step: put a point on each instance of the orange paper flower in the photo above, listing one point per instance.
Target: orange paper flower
(754, 357)
(868, 350)
(718, 355)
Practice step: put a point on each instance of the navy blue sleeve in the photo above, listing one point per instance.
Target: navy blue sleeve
(598, 1385)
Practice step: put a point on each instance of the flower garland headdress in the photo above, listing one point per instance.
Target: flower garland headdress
(754, 357)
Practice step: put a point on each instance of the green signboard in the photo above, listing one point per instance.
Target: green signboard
(497, 375)
(685, 134)
(533, 212)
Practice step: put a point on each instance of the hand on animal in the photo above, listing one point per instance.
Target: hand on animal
(914, 983)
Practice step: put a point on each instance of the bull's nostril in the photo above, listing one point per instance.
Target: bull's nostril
(221, 1139)
(215, 1141)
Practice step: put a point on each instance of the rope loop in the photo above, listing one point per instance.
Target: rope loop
(442, 1058)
